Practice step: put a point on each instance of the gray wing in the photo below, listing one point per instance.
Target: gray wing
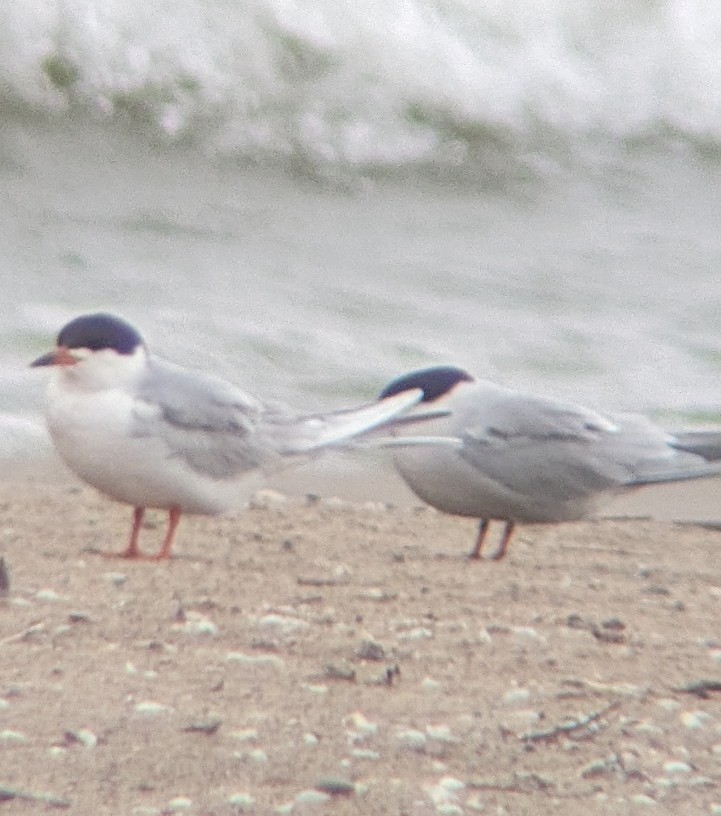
(558, 452)
(204, 421)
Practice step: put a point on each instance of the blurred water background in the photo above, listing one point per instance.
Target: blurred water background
(311, 198)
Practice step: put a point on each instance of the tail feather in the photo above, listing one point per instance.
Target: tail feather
(706, 444)
(700, 471)
(315, 431)
(421, 416)
(410, 442)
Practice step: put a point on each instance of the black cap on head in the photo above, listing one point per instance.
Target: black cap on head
(434, 382)
(100, 331)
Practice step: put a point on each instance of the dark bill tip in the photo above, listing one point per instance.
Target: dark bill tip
(46, 360)
(60, 357)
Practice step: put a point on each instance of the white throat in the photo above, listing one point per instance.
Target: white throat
(102, 370)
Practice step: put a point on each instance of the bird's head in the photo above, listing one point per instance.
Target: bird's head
(436, 382)
(98, 349)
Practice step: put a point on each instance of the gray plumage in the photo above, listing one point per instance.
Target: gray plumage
(152, 434)
(518, 457)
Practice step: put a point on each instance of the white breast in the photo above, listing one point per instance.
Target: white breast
(92, 433)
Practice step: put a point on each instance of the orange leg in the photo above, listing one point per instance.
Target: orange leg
(133, 549)
(505, 541)
(500, 553)
(165, 551)
(482, 530)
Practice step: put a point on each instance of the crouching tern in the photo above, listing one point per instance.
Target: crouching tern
(516, 457)
(149, 433)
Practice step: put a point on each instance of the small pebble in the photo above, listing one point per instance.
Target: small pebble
(195, 623)
(310, 739)
(419, 633)
(83, 736)
(316, 688)
(648, 727)
(312, 797)
(258, 755)
(642, 799)
(429, 684)
(695, 719)
(335, 787)
(365, 753)
(475, 803)
(528, 633)
(255, 660)
(180, 803)
(378, 594)
(117, 578)
(599, 767)
(359, 722)
(451, 784)
(245, 735)
(334, 671)
(445, 793)
(665, 782)
(281, 624)
(206, 725)
(413, 739)
(242, 801)
(441, 733)
(12, 736)
(371, 650)
(151, 707)
(49, 595)
(676, 767)
(516, 696)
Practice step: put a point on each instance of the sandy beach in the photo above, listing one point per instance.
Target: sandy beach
(314, 655)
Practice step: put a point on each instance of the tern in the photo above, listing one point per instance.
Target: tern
(516, 457)
(150, 433)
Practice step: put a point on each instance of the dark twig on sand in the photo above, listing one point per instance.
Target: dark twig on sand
(8, 794)
(4, 579)
(701, 688)
(569, 726)
(25, 634)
